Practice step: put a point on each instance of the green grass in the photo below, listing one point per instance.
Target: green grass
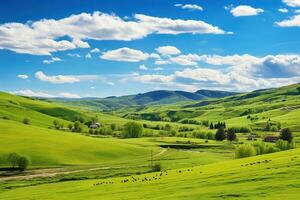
(47, 147)
(276, 179)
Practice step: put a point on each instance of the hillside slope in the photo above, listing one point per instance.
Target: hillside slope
(270, 176)
(46, 147)
(143, 99)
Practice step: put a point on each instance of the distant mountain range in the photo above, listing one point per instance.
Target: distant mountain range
(148, 98)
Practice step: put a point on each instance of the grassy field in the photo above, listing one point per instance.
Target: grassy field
(72, 165)
(272, 176)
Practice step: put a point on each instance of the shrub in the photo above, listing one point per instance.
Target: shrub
(241, 129)
(132, 130)
(220, 134)
(286, 134)
(284, 145)
(156, 167)
(23, 163)
(245, 150)
(113, 127)
(12, 159)
(231, 134)
(210, 136)
(26, 121)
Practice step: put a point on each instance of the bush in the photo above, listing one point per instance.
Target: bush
(132, 130)
(241, 129)
(113, 127)
(156, 167)
(12, 159)
(284, 145)
(23, 163)
(286, 134)
(245, 150)
(26, 121)
(231, 135)
(220, 134)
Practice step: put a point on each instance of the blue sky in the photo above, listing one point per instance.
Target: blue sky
(82, 48)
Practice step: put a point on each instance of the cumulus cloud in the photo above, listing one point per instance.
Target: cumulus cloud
(292, 3)
(294, 21)
(31, 93)
(126, 54)
(283, 10)
(237, 72)
(52, 60)
(75, 55)
(143, 67)
(245, 10)
(185, 60)
(189, 6)
(95, 50)
(44, 37)
(88, 55)
(167, 50)
(59, 79)
(69, 95)
(23, 76)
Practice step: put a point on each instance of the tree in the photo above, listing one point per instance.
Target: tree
(231, 134)
(286, 134)
(113, 127)
(12, 159)
(211, 126)
(220, 134)
(70, 126)
(23, 163)
(245, 150)
(132, 130)
(56, 124)
(268, 126)
(26, 121)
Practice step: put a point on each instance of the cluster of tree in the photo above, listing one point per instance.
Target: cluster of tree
(286, 134)
(132, 130)
(217, 125)
(203, 135)
(17, 161)
(104, 130)
(76, 127)
(272, 126)
(258, 148)
(223, 134)
(166, 127)
(58, 125)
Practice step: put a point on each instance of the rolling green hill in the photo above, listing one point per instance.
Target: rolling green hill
(148, 98)
(272, 176)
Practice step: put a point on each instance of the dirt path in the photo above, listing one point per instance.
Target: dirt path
(54, 172)
(40, 173)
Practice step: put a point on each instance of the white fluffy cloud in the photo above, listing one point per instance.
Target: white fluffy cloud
(31, 93)
(44, 37)
(52, 60)
(95, 50)
(126, 54)
(167, 50)
(23, 76)
(292, 22)
(283, 10)
(292, 3)
(244, 10)
(143, 67)
(189, 6)
(88, 55)
(237, 72)
(59, 79)
(75, 55)
(69, 95)
(185, 60)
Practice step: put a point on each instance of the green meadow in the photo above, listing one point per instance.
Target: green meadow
(70, 160)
